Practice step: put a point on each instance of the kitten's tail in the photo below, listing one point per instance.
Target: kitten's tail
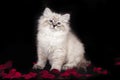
(84, 64)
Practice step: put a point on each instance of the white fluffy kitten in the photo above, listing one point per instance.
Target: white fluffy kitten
(56, 43)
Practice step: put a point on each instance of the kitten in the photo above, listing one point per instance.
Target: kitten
(56, 43)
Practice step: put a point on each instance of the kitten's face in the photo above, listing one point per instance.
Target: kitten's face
(54, 21)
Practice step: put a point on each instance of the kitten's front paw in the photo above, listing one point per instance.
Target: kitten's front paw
(67, 66)
(37, 66)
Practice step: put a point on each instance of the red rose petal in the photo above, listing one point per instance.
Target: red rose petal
(65, 74)
(77, 75)
(30, 75)
(12, 71)
(47, 76)
(105, 72)
(44, 72)
(74, 73)
(11, 74)
(88, 75)
(27, 76)
(8, 76)
(17, 75)
(98, 69)
(8, 64)
(70, 70)
(55, 71)
(33, 74)
(3, 74)
(2, 67)
(117, 63)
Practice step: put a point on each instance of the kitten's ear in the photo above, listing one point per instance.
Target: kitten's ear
(66, 16)
(47, 12)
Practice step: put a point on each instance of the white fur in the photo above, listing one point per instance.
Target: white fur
(57, 44)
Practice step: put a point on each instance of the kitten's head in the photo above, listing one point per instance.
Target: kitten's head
(54, 21)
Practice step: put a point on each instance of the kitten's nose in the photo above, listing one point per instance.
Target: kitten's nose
(54, 25)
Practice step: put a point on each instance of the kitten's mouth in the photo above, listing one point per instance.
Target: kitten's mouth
(54, 26)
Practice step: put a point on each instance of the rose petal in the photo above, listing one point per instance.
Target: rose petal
(3, 74)
(70, 70)
(47, 76)
(117, 63)
(8, 76)
(33, 74)
(98, 69)
(17, 75)
(12, 71)
(105, 72)
(27, 76)
(55, 71)
(8, 64)
(2, 67)
(77, 75)
(65, 74)
(44, 72)
(88, 75)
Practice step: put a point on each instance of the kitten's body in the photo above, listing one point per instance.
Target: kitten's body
(57, 43)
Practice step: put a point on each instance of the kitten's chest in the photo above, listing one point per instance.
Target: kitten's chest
(49, 39)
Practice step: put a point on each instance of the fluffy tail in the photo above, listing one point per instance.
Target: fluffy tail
(84, 63)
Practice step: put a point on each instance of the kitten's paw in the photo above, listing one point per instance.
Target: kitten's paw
(58, 67)
(67, 66)
(37, 66)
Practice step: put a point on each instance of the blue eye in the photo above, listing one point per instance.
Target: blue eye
(58, 23)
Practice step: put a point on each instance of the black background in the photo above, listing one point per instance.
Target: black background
(94, 21)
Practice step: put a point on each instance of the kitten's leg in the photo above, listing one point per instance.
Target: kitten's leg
(76, 63)
(41, 62)
(57, 59)
(70, 64)
(72, 61)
